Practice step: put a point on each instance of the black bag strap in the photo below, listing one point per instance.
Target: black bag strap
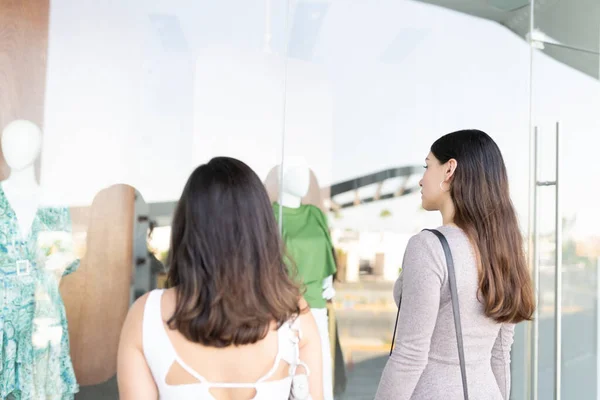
(455, 310)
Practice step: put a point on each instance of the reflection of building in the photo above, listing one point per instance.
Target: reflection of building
(375, 254)
(382, 185)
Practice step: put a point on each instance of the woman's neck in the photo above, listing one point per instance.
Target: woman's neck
(448, 212)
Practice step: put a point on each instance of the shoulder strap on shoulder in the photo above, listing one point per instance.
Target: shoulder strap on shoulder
(455, 307)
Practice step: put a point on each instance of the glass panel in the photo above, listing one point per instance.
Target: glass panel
(566, 90)
(170, 85)
(370, 86)
(139, 93)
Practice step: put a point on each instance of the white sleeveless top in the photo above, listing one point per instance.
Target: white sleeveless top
(160, 356)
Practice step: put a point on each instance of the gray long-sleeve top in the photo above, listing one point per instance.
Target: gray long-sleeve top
(424, 363)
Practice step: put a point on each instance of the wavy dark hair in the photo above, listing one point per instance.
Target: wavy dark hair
(226, 259)
(484, 210)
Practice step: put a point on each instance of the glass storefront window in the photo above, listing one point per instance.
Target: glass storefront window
(334, 105)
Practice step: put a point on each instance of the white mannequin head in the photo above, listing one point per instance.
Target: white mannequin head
(21, 144)
(296, 176)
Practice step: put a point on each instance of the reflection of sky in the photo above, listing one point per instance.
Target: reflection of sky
(146, 90)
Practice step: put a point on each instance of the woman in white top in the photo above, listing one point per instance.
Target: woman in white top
(231, 325)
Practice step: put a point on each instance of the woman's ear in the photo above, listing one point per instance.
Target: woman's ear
(451, 168)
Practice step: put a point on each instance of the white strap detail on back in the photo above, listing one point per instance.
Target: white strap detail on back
(289, 335)
(300, 386)
(284, 335)
(160, 353)
(154, 338)
(296, 337)
(284, 340)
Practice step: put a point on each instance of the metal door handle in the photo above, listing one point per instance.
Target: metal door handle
(557, 269)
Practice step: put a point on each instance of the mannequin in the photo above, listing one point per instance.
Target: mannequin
(21, 145)
(296, 179)
(35, 252)
(295, 185)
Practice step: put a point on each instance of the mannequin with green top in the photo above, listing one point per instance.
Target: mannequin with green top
(308, 244)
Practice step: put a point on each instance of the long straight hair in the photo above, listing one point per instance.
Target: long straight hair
(484, 211)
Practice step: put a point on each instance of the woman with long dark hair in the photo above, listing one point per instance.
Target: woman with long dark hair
(232, 325)
(466, 180)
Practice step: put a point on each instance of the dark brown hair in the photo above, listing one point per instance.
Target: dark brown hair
(226, 260)
(484, 210)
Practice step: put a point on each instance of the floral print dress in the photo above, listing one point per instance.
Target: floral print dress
(34, 339)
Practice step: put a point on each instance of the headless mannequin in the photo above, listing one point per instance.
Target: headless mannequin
(21, 146)
(295, 185)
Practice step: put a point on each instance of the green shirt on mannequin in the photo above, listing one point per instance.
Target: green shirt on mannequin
(308, 244)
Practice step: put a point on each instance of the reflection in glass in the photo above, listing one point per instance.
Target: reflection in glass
(565, 93)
